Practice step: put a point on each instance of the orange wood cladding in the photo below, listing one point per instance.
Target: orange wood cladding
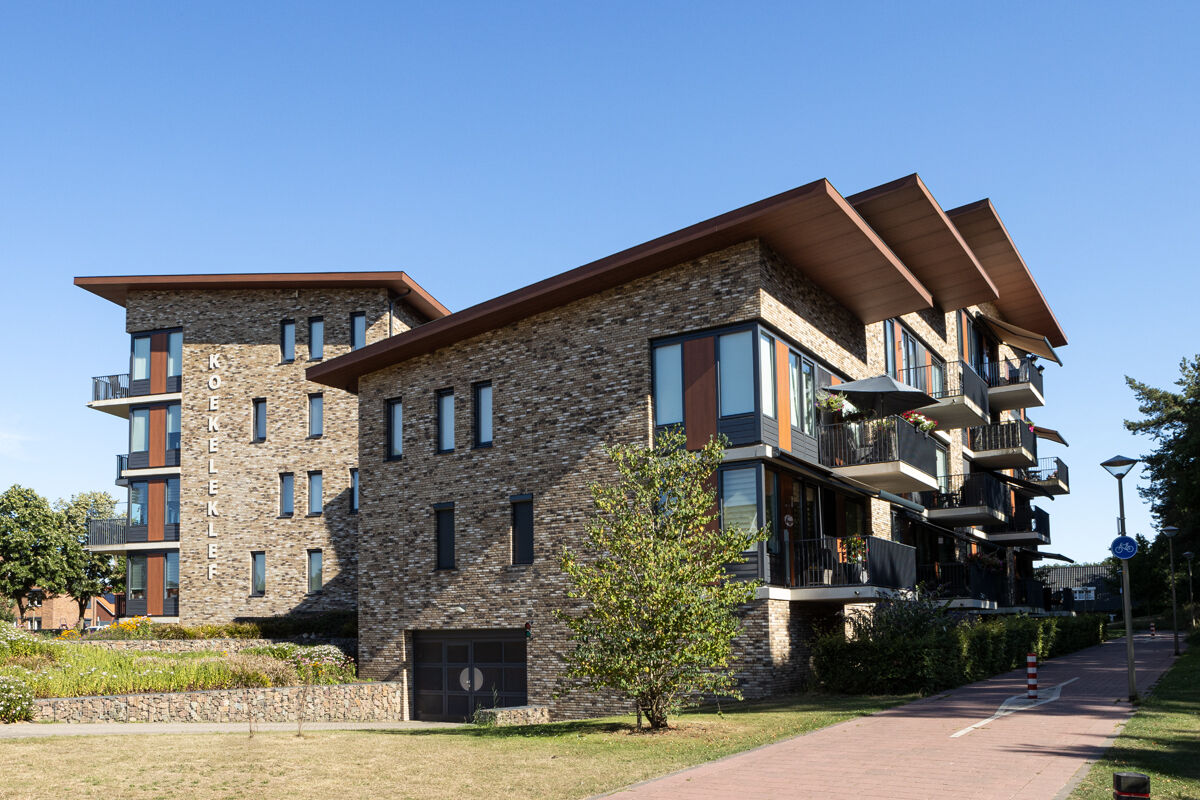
(700, 391)
(155, 506)
(154, 584)
(158, 436)
(158, 362)
(782, 404)
(964, 346)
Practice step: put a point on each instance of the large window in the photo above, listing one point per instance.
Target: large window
(668, 384)
(174, 354)
(173, 427)
(445, 420)
(522, 530)
(258, 574)
(315, 581)
(803, 389)
(316, 415)
(316, 338)
(443, 514)
(358, 330)
(139, 497)
(260, 419)
(287, 341)
(395, 429)
(315, 503)
(483, 414)
(171, 517)
(137, 578)
(943, 467)
(735, 373)
(766, 373)
(139, 370)
(171, 575)
(287, 494)
(739, 498)
(353, 491)
(139, 430)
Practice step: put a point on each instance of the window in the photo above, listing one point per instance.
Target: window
(483, 414)
(287, 341)
(137, 578)
(174, 354)
(668, 384)
(140, 369)
(889, 348)
(735, 373)
(395, 429)
(739, 498)
(810, 400)
(171, 575)
(856, 518)
(316, 415)
(139, 430)
(316, 338)
(766, 373)
(522, 529)
(353, 491)
(173, 427)
(315, 504)
(260, 419)
(943, 468)
(171, 515)
(287, 487)
(445, 420)
(803, 389)
(315, 582)
(258, 574)
(139, 496)
(443, 514)
(358, 330)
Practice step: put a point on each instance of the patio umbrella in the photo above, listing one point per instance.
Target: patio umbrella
(884, 394)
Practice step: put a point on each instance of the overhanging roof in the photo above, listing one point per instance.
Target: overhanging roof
(812, 227)
(1021, 300)
(914, 226)
(1020, 338)
(116, 287)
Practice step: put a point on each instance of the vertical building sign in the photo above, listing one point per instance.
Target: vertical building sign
(211, 513)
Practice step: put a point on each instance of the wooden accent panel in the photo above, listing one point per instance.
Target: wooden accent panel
(700, 390)
(155, 564)
(964, 343)
(156, 504)
(158, 436)
(783, 406)
(898, 344)
(158, 362)
(834, 380)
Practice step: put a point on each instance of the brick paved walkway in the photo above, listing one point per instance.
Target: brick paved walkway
(906, 753)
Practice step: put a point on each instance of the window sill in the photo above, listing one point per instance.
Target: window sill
(285, 516)
(315, 436)
(517, 567)
(484, 446)
(443, 452)
(394, 458)
(445, 569)
(264, 594)
(281, 363)
(315, 514)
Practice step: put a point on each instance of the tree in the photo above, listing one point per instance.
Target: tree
(659, 604)
(32, 544)
(88, 574)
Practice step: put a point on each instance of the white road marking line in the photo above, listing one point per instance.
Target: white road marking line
(1017, 703)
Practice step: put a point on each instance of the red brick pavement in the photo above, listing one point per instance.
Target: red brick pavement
(906, 753)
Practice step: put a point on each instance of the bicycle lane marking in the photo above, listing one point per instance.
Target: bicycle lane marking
(1017, 703)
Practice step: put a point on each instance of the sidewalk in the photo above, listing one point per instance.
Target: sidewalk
(907, 753)
(37, 729)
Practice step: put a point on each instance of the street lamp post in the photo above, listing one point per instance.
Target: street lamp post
(1170, 532)
(1118, 467)
(1191, 598)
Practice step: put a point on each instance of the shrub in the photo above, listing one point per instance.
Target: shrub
(327, 625)
(16, 699)
(321, 663)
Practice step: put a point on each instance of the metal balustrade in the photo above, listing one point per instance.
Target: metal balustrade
(1002, 436)
(1011, 371)
(970, 490)
(855, 561)
(951, 379)
(876, 441)
(1048, 469)
(110, 387)
(107, 532)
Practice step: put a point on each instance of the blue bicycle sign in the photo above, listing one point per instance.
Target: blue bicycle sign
(1124, 547)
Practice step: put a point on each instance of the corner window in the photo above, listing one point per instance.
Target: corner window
(316, 338)
(445, 420)
(260, 419)
(137, 578)
(315, 581)
(735, 373)
(139, 369)
(174, 354)
(739, 499)
(668, 384)
(483, 414)
(171, 517)
(802, 391)
(139, 430)
(139, 496)
(395, 429)
(173, 427)
(171, 575)
(316, 415)
(353, 491)
(258, 574)
(522, 530)
(287, 341)
(443, 515)
(358, 330)
(287, 494)
(315, 503)
(766, 374)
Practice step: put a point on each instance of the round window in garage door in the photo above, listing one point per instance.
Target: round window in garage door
(456, 672)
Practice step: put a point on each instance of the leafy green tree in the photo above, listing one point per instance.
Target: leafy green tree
(88, 574)
(32, 544)
(658, 617)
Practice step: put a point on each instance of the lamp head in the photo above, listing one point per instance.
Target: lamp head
(1170, 531)
(1189, 555)
(1118, 466)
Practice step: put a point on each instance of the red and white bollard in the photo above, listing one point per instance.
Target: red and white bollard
(1031, 676)
(1151, 630)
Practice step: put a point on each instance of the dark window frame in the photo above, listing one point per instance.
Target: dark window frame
(443, 540)
(354, 490)
(393, 437)
(258, 414)
(321, 479)
(522, 550)
(476, 388)
(437, 407)
(254, 591)
(308, 574)
(321, 396)
(355, 315)
(291, 512)
(283, 341)
(321, 356)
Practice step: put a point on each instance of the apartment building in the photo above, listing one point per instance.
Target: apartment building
(241, 474)
(481, 431)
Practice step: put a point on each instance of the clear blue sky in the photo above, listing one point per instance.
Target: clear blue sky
(481, 147)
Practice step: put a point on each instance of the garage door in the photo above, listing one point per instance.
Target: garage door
(456, 672)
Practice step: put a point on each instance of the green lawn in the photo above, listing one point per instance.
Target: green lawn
(1162, 739)
(563, 760)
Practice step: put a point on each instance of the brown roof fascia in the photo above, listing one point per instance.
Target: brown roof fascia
(1008, 270)
(776, 220)
(115, 288)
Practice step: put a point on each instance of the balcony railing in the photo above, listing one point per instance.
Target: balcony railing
(1030, 592)
(107, 532)
(855, 561)
(1012, 371)
(947, 380)
(1024, 519)
(1048, 469)
(876, 441)
(964, 491)
(1002, 436)
(110, 387)
(955, 579)
(122, 465)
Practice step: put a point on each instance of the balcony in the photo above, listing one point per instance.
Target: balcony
(104, 533)
(888, 454)
(113, 394)
(1029, 525)
(1014, 383)
(977, 498)
(851, 567)
(1030, 593)
(961, 394)
(1050, 474)
(1004, 445)
(110, 387)
(953, 579)
(122, 465)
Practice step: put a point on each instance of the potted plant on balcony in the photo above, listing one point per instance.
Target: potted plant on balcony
(919, 421)
(854, 548)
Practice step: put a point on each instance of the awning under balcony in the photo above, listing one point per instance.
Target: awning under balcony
(1039, 554)
(1020, 338)
(1028, 486)
(1050, 435)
